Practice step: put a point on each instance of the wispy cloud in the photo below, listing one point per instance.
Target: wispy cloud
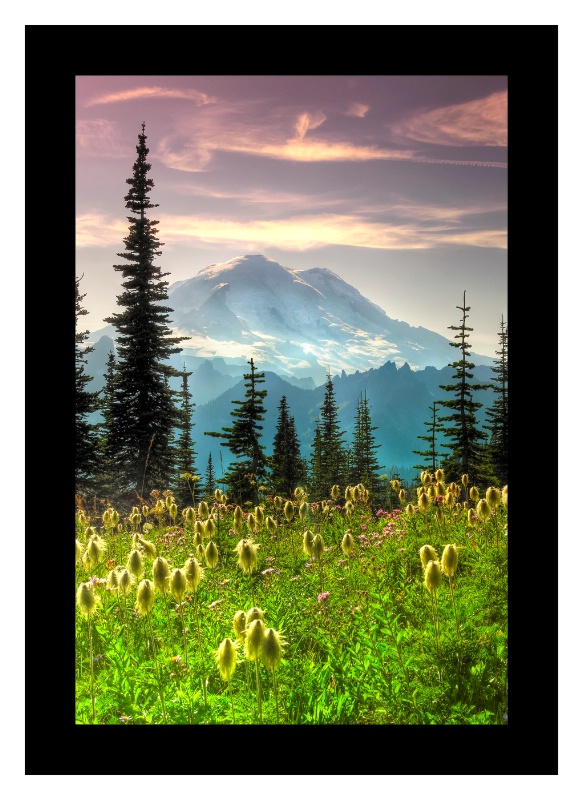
(98, 137)
(479, 122)
(307, 122)
(96, 230)
(298, 233)
(357, 110)
(152, 92)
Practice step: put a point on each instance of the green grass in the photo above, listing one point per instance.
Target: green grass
(364, 653)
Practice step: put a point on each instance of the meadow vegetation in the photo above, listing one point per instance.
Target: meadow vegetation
(299, 611)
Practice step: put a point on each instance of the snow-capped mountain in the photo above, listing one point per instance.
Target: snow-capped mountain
(295, 322)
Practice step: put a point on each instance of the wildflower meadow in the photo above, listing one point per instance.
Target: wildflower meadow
(298, 611)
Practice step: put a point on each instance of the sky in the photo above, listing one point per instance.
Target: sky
(398, 184)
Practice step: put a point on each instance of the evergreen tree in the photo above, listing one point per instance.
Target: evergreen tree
(364, 466)
(467, 451)
(317, 486)
(86, 402)
(105, 475)
(243, 440)
(498, 414)
(288, 469)
(143, 410)
(333, 459)
(210, 483)
(184, 484)
(432, 455)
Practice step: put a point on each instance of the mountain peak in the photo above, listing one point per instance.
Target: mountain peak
(298, 323)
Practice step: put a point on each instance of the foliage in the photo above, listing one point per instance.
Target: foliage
(466, 439)
(142, 408)
(359, 623)
(86, 402)
(185, 488)
(288, 469)
(498, 415)
(432, 454)
(329, 465)
(364, 466)
(243, 439)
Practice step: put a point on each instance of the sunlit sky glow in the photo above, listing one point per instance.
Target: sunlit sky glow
(398, 184)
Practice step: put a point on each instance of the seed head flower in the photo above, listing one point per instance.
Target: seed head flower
(424, 502)
(145, 597)
(87, 600)
(335, 492)
(402, 496)
(113, 580)
(254, 639)
(410, 509)
(318, 547)
(259, 517)
(253, 614)
(211, 554)
(209, 528)
(504, 496)
(247, 552)
(427, 553)
(303, 511)
(194, 573)
(432, 575)
(308, 542)
(95, 552)
(483, 510)
(465, 479)
(78, 550)
(271, 525)
(226, 658)
(178, 584)
(238, 519)
(239, 624)
(449, 560)
(288, 510)
(347, 543)
(278, 502)
(439, 475)
(161, 574)
(149, 548)
(203, 509)
(493, 497)
(474, 493)
(125, 581)
(190, 515)
(135, 564)
(272, 649)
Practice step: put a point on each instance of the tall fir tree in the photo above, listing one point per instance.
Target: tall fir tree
(86, 402)
(184, 485)
(332, 455)
(317, 487)
(364, 464)
(210, 483)
(497, 415)
(288, 468)
(467, 452)
(432, 455)
(144, 411)
(243, 439)
(105, 479)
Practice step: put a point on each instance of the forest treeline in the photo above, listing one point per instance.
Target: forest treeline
(144, 439)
